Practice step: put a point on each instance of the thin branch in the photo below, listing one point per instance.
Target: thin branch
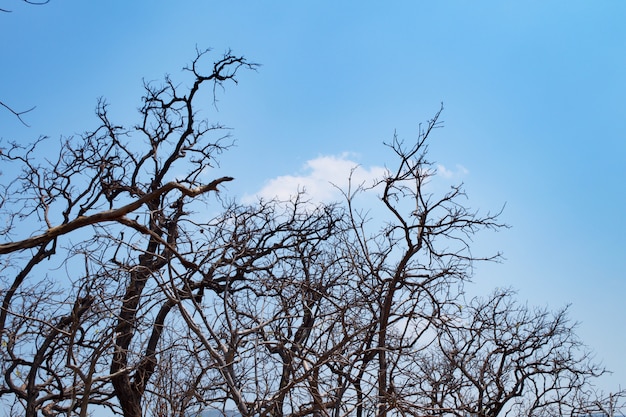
(17, 114)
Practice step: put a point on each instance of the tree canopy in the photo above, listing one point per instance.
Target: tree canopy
(130, 284)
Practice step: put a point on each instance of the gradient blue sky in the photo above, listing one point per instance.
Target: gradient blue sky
(534, 95)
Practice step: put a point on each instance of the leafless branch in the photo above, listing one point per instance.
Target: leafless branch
(16, 113)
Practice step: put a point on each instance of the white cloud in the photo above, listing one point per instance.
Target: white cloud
(323, 177)
(320, 178)
(446, 173)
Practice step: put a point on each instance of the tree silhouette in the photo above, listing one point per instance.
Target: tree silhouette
(129, 284)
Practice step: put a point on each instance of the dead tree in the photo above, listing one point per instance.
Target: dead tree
(413, 267)
(496, 357)
(114, 201)
(126, 285)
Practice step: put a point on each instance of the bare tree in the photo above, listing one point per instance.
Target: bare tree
(121, 196)
(413, 266)
(273, 328)
(126, 285)
(494, 357)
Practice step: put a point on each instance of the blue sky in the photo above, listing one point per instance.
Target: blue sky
(534, 95)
